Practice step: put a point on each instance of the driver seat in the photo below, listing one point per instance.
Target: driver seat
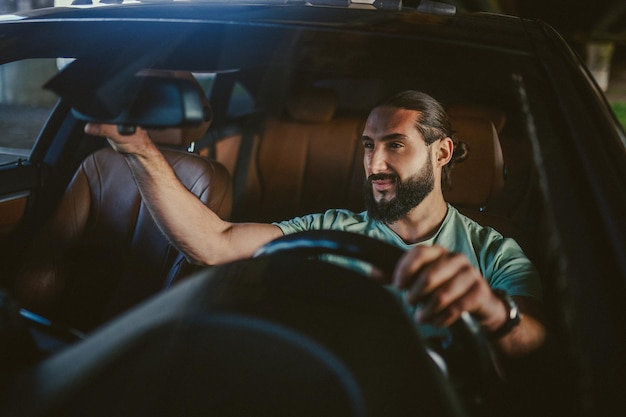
(101, 252)
(480, 179)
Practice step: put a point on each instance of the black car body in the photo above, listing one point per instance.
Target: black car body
(565, 152)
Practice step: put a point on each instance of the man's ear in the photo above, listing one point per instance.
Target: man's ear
(443, 151)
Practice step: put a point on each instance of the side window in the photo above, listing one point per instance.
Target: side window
(206, 81)
(241, 102)
(24, 105)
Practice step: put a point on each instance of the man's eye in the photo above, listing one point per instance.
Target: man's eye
(368, 145)
(395, 145)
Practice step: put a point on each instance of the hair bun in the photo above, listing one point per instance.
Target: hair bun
(461, 151)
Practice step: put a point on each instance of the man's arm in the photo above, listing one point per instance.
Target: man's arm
(446, 284)
(191, 226)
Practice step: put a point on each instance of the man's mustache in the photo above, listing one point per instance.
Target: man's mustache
(382, 177)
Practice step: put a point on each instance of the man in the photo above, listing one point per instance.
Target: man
(450, 261)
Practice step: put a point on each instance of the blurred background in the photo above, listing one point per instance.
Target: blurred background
(595, 29)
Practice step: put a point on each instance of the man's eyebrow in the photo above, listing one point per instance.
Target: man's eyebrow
(386, 138)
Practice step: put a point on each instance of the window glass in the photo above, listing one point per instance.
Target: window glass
(206, 81)
(24, 105)
(241, 102)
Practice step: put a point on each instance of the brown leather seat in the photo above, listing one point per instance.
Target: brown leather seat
(517, 153)
(480, 179)
(303, 162)
(102, 253)
(464, 110)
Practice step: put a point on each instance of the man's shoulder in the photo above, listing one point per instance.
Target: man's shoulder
(346, 220)
(464, 234)
(473, 227)
(337, 217)
(345, 214)
(490, 228)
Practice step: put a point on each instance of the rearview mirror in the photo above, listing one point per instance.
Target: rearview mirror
(160, 102)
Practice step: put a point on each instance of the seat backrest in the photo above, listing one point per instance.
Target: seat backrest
(102, 253)
(303, 162)
(480, 177)
(496, 116)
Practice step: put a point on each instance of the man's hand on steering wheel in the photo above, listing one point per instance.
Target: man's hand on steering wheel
(445, 284)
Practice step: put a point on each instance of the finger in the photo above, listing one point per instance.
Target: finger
(449, 300)
(412, 262)
(435, 274)
(93, 129)
(100, 129)
(452, 312)
(379, 276)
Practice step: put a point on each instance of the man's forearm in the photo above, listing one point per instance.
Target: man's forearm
(191, 226)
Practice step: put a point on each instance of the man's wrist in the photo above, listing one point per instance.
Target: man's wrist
(513, 316)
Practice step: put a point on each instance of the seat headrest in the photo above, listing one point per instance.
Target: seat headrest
(479, 178)
(312, 105)
(179, 136)
(497, 117)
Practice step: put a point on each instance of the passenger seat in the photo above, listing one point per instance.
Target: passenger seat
(102, 253)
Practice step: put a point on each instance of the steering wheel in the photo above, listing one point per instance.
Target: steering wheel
(379, 254)
(467, 347)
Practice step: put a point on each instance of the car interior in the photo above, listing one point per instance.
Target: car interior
(283, 140)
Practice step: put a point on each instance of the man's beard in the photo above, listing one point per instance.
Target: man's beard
(408, 194)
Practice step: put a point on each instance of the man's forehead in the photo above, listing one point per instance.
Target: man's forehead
(391, 120)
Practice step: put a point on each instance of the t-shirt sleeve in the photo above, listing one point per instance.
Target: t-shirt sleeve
(507, 268)
(300, 224)
(333, 219)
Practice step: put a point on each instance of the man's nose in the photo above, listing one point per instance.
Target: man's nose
(377, 162)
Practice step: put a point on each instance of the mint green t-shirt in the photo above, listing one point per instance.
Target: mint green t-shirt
(500, 260)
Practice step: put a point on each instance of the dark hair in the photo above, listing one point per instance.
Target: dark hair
(433, 124)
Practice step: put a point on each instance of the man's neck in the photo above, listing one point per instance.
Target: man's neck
(423, 221)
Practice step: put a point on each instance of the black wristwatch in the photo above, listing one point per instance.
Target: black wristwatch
(513, 316)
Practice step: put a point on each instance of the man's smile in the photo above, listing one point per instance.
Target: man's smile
(382, 183)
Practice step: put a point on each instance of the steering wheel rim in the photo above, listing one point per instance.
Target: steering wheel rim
(375, 252)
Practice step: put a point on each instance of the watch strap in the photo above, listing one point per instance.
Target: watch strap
(513, 316)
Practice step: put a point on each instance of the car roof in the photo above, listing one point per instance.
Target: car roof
(63, 29)
(113, 42)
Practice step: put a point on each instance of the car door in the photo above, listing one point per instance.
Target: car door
(24, 108)
(582, 149)
(40, 148)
